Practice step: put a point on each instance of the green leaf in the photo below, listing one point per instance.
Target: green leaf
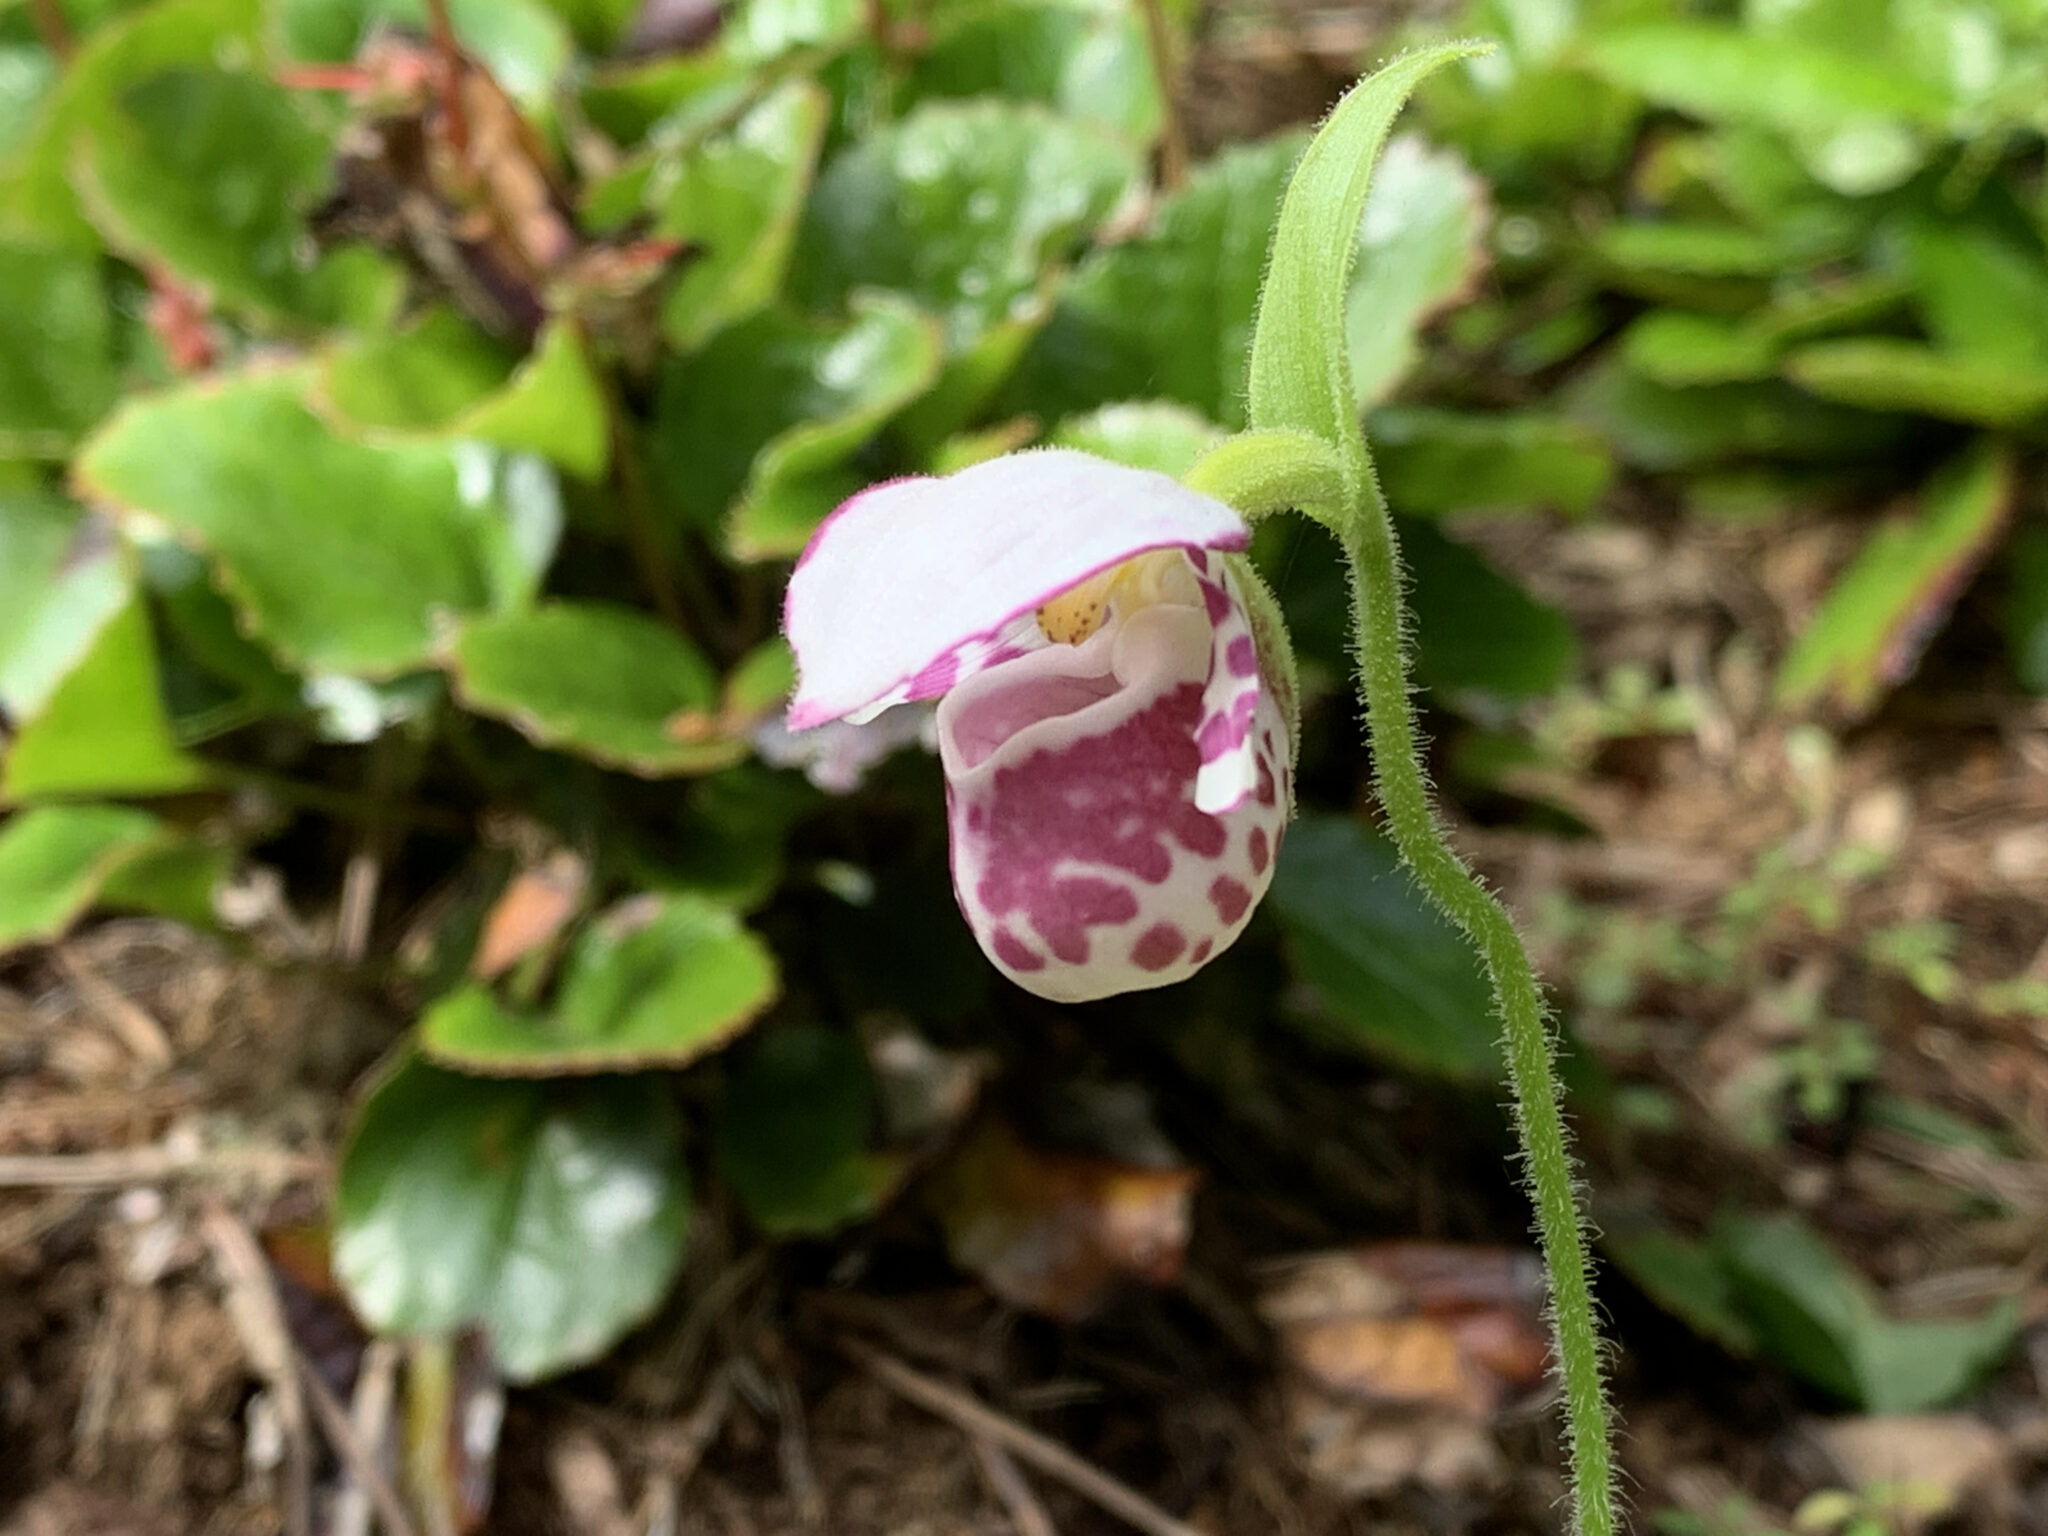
(656, 984)
(607, 683)
(344, 556)
(2026, 618)
(727, 837)
(1694, 250)
(1421, 248)
(55, 858)
(1168, 314)
(1680, 349)
(778, 515)
(1146, 434)
(525, 46)
(27, 71)
(443, 377)
(208, 172)
(551, 1215)
(1654, 426)
(1820, 309)
(792, 1133)
(242, 681)
(1884, 374)
(36, 189)
(683, 96)
(968, 208)
(1087, 59)
(756, 31)
(1817, 1315)
(1881, 611)
(56, 360)
(1433, 462)
(739, 196)
(1297, 380)
(1519, 111)
(1858, 128)
(62, 578)
(600, 26)
(777, 399)
(414, 380)
(1981, 294)
(178, 880)
(1682, 1275)
(1389, 973)
(103, 730)
(1479, 638)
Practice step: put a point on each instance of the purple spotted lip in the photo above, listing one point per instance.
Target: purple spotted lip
(1114, 805)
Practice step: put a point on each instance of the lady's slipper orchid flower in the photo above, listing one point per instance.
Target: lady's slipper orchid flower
(1115, 717)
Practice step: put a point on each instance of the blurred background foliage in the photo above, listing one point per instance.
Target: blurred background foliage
(399, 468)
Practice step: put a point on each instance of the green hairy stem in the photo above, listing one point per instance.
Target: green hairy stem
(1306, 450)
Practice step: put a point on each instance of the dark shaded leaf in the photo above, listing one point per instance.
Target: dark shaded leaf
(1433, 462)
(1479, 637)
(1169, 314)
(1818, 1316)
(56, 362)
(551, 1215)
(792, 1130)
(773, 405)
(1389, 974)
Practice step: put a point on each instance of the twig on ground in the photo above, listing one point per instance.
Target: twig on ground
(369, 1422)
(793, 1451)
(131, 1022)
(156, 1163)
(1027, 1515)
(22, 1227)
(356, 1453)
(676, 1451)
(96, 1395)
(1027, 1445)
(360, 879)
(258, 1317)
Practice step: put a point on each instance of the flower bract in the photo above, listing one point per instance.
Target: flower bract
(1115, 703)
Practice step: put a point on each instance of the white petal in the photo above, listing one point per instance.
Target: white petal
(915, 584)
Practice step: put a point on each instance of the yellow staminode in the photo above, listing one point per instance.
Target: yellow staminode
(1157, 576)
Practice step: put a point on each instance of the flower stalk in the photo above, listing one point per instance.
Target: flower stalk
(1300, 388)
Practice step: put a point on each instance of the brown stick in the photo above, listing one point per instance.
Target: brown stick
(144, 1037)
(153, 1165)
(1028, 1446)
(1027, 1515)
(258, 1317)
(362, 1465)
